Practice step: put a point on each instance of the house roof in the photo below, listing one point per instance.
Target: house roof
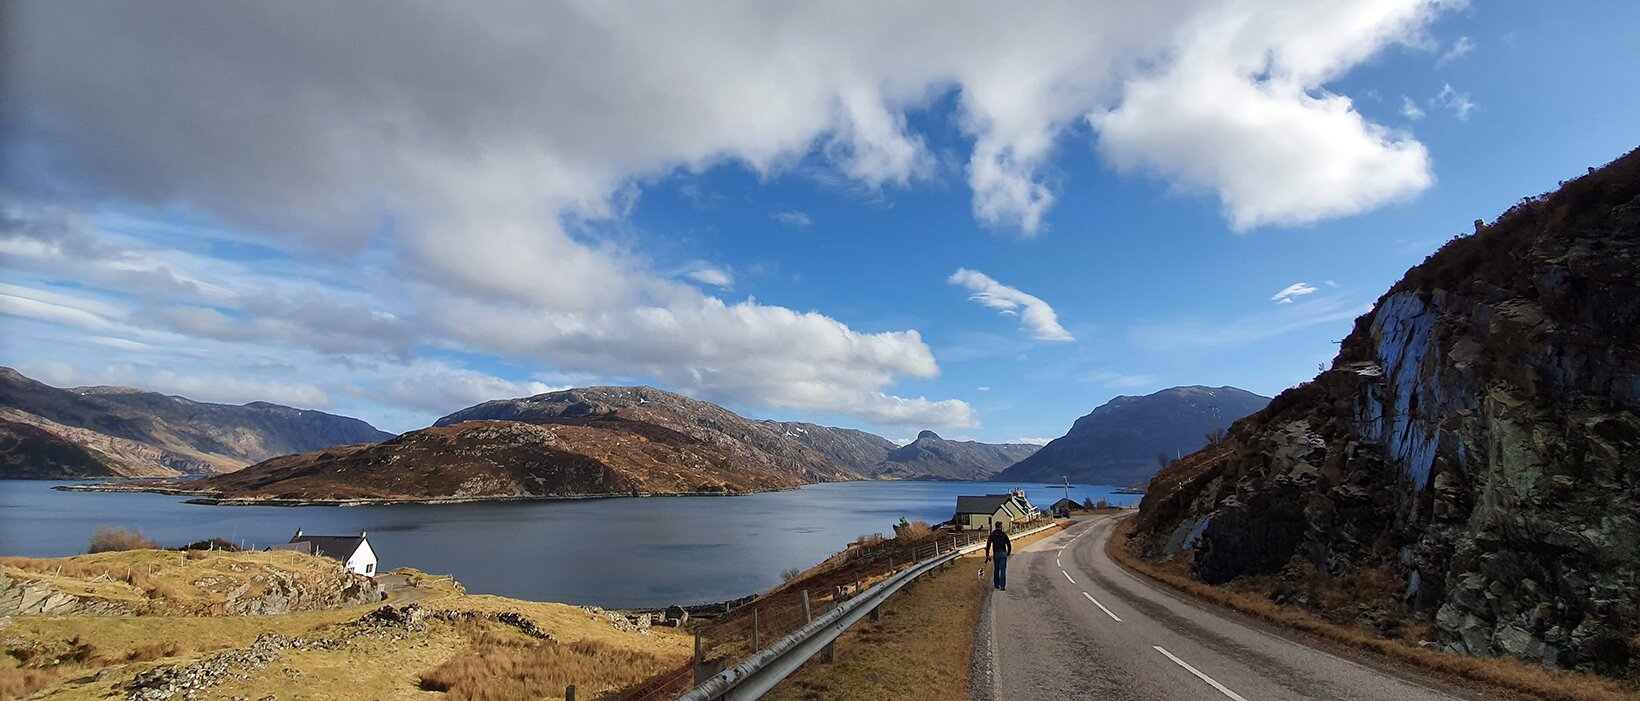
(982, 505)
(339, 547)
(1068, 503)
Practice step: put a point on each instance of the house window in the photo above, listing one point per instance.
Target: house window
(369, 568)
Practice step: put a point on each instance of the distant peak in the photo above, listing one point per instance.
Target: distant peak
(929, 435)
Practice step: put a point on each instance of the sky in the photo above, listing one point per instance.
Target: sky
(984, 219)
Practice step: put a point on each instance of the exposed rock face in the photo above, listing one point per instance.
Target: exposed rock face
(140, 433)
(1477, 435)
(22, 597)
(1118, 442)
(31, 452)
(855, 450)
(933, 457)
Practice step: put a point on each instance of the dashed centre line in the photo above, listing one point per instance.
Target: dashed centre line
(1067, 576)
(1106, 610)
(1222, 689)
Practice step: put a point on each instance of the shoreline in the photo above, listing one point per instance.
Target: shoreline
(208, 498)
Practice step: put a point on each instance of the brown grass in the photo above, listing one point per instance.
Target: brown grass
(920, 649)
(501, 665)
(112, 538)
(1507, 673)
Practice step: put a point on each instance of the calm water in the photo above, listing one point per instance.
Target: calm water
(608, 552)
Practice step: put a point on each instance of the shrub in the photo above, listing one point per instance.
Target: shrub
(912, 530)
(159, 650)
(870, 539)
(790, 573)
(212, 544)
(110, 538)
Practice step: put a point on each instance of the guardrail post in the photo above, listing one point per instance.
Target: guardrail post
(808, 616)
(569, 693)
(755, 645)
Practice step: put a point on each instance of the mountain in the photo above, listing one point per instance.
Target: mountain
(146, 434)
(1470, 463)
(1118, 443)
(31, 452)
(933, 457)
(596, 441)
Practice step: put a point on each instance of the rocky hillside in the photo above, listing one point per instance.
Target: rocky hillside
(31, 452)
(1476, 444)
(932, 457)
(1118, 443)
(596, 441)
(589, 455)
(855, 450)
(141, 434)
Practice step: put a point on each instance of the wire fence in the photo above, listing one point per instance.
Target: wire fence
(740, 633)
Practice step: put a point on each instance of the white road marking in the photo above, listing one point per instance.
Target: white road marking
(1106, 610)
(1198, 673)
(1067, 576)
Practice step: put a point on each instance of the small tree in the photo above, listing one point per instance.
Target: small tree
(110, 538)
(1088, 503)
(1215, 436)
(790, 573)
(1162, 460)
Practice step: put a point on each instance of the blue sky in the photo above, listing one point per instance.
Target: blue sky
(765, 211)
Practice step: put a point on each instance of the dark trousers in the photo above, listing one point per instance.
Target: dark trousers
(999, 571)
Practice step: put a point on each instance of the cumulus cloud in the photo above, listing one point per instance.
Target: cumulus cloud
(1297, 289)
(414, 189)
(1034, 314)
(1241, 110)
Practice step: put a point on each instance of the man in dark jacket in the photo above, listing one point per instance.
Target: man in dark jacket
(999, 544)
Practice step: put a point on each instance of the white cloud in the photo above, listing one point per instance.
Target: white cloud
(1460, 48)
(1459, 103)
(1241, 110)
(1028, 441)
(1297, 289)
(794, 219)
(1330, 284)
(716, 277)
(1034, 314)
(1410, 109)
(198, 386)
(982, 389)
(417, 195)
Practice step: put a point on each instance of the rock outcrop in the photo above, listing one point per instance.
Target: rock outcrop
(1118, 443)
(140, 434)
(1478, 437)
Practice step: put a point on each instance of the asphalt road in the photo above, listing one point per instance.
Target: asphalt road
(1075, 625)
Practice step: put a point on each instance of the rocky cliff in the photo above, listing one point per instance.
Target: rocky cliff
(140, 434)
(1476, 443)
(1118, 443)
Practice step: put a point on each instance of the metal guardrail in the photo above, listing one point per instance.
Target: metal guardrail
(756, 675)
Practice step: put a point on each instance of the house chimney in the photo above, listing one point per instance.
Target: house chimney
(298, 534)
(361, 533)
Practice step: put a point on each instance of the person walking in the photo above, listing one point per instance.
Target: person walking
(999, 544)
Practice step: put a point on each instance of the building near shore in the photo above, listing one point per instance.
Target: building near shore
(354, 552)
(985, 512)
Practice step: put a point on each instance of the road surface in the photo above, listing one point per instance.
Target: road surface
(1075, 625)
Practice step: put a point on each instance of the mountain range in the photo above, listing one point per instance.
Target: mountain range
(1119, 442)
(597, 441)
(46, 431)
(1469, 465)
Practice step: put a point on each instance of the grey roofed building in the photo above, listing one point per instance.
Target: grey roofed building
(982, 505)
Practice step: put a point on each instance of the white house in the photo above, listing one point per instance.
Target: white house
(354, 552)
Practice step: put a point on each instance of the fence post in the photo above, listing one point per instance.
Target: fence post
(808, 616)
(755, 645)
(569, 693)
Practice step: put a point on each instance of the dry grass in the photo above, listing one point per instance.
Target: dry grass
(920, 649)
(1507, 673)
(500, 665)
(164, 581)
